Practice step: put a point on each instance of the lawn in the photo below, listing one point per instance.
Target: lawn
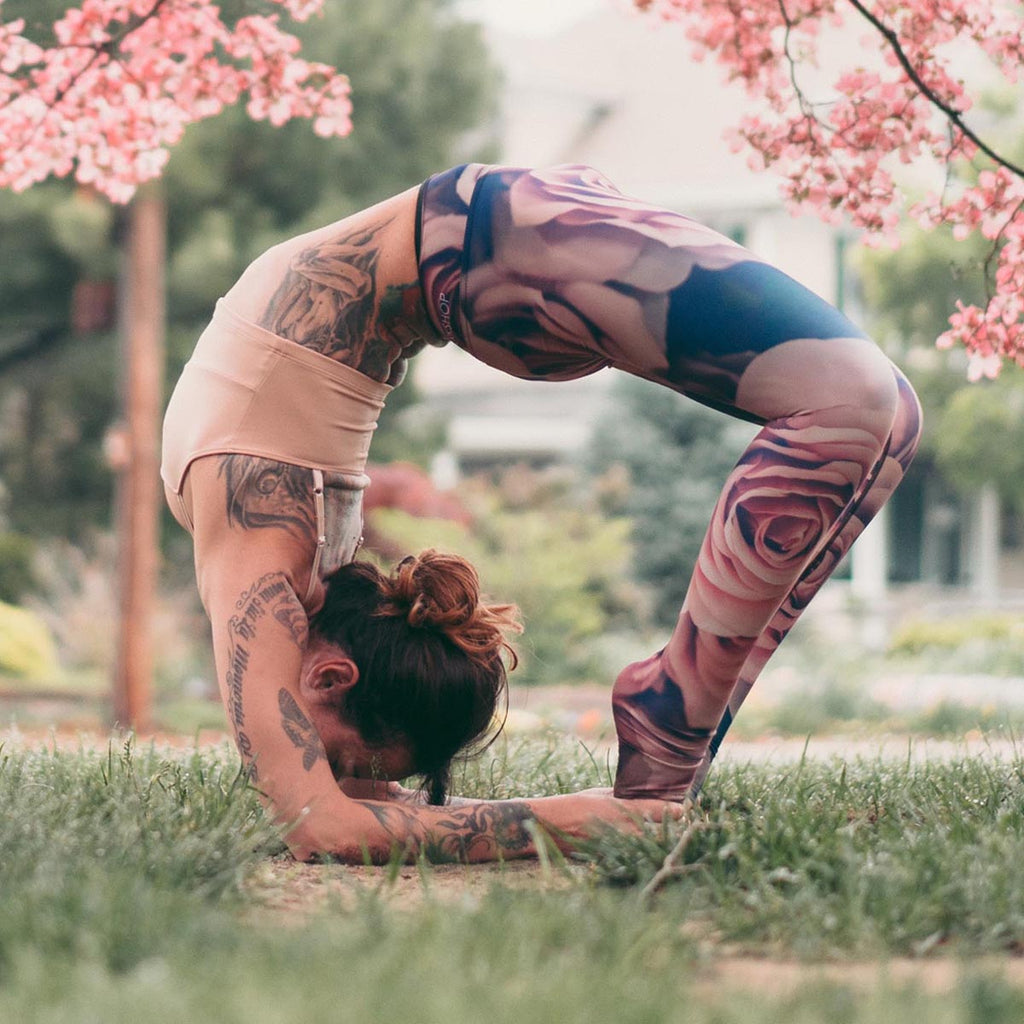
(144, 884)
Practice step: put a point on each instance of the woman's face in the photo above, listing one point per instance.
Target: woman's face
(351, 757)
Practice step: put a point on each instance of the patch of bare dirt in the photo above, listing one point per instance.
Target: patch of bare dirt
(284, 892)
(292, 891)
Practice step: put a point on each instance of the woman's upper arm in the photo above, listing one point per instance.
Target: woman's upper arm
(250, 510)
(254, 539)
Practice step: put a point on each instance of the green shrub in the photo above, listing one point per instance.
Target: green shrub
(948, 718)
(17, 553)
(824, 708)
(917, 635)
(987, 642)
(561, 566)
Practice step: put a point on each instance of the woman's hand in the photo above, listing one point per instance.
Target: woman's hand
(600, 805)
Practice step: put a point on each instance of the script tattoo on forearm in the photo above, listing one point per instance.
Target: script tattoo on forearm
(271, 595)
(487, 829)
(300, 730)
(261, 493)
(333, 301)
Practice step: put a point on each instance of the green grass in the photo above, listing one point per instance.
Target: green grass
(822, 859)
(124, 897)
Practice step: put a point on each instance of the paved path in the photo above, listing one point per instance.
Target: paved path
(776, 750)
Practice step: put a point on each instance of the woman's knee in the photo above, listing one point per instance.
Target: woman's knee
(810, 374)
(906, 431)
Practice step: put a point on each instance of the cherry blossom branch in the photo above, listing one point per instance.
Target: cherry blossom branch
(841, 159)
(929, 94)
(806, 107)
(153, 67)
(106, 49)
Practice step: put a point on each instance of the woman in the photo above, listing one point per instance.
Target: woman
(545, 274)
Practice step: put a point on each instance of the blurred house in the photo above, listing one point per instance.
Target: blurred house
(622, 92)
(617, 91)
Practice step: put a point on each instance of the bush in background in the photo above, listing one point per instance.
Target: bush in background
(565, 566)
(17, 578)
(986, 642)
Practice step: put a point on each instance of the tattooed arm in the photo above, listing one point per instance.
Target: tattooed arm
(254, 540)
(482, 830)
(254, 536)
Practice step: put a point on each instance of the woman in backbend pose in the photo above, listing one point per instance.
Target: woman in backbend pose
(333, 673)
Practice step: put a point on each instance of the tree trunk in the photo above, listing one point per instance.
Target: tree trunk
(138, 490)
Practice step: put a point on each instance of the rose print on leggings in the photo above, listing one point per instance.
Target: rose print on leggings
(559, 274)
(899, 454)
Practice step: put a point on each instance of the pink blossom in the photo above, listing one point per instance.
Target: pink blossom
(126, 77)
(837, 157)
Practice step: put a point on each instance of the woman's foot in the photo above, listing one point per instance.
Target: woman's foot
(659, 751)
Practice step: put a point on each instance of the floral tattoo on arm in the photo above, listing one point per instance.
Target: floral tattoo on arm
(487, 830)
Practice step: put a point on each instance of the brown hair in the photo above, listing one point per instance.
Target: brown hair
(431, 654)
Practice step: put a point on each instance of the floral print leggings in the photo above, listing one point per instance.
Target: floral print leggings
(553, 274)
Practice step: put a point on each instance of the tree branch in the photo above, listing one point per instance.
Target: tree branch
(994, 251)
(951, 113)
(806, 108)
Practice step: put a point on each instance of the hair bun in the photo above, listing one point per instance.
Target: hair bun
(441, 592)
(433, 590)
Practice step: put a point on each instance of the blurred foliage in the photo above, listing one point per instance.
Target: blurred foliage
(974, 432)
(233, 187)
(911, 291)
(949, 634)
(953, 720)
(662, 460)
(54, 413)
(562, 564)
(408, 430)
(979, 437)
(17, 577)
(824, 709)
(27, 649)
(984, 643)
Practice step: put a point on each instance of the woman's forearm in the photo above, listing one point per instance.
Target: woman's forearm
(486, 830)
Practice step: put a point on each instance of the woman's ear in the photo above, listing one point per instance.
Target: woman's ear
(327, 675)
